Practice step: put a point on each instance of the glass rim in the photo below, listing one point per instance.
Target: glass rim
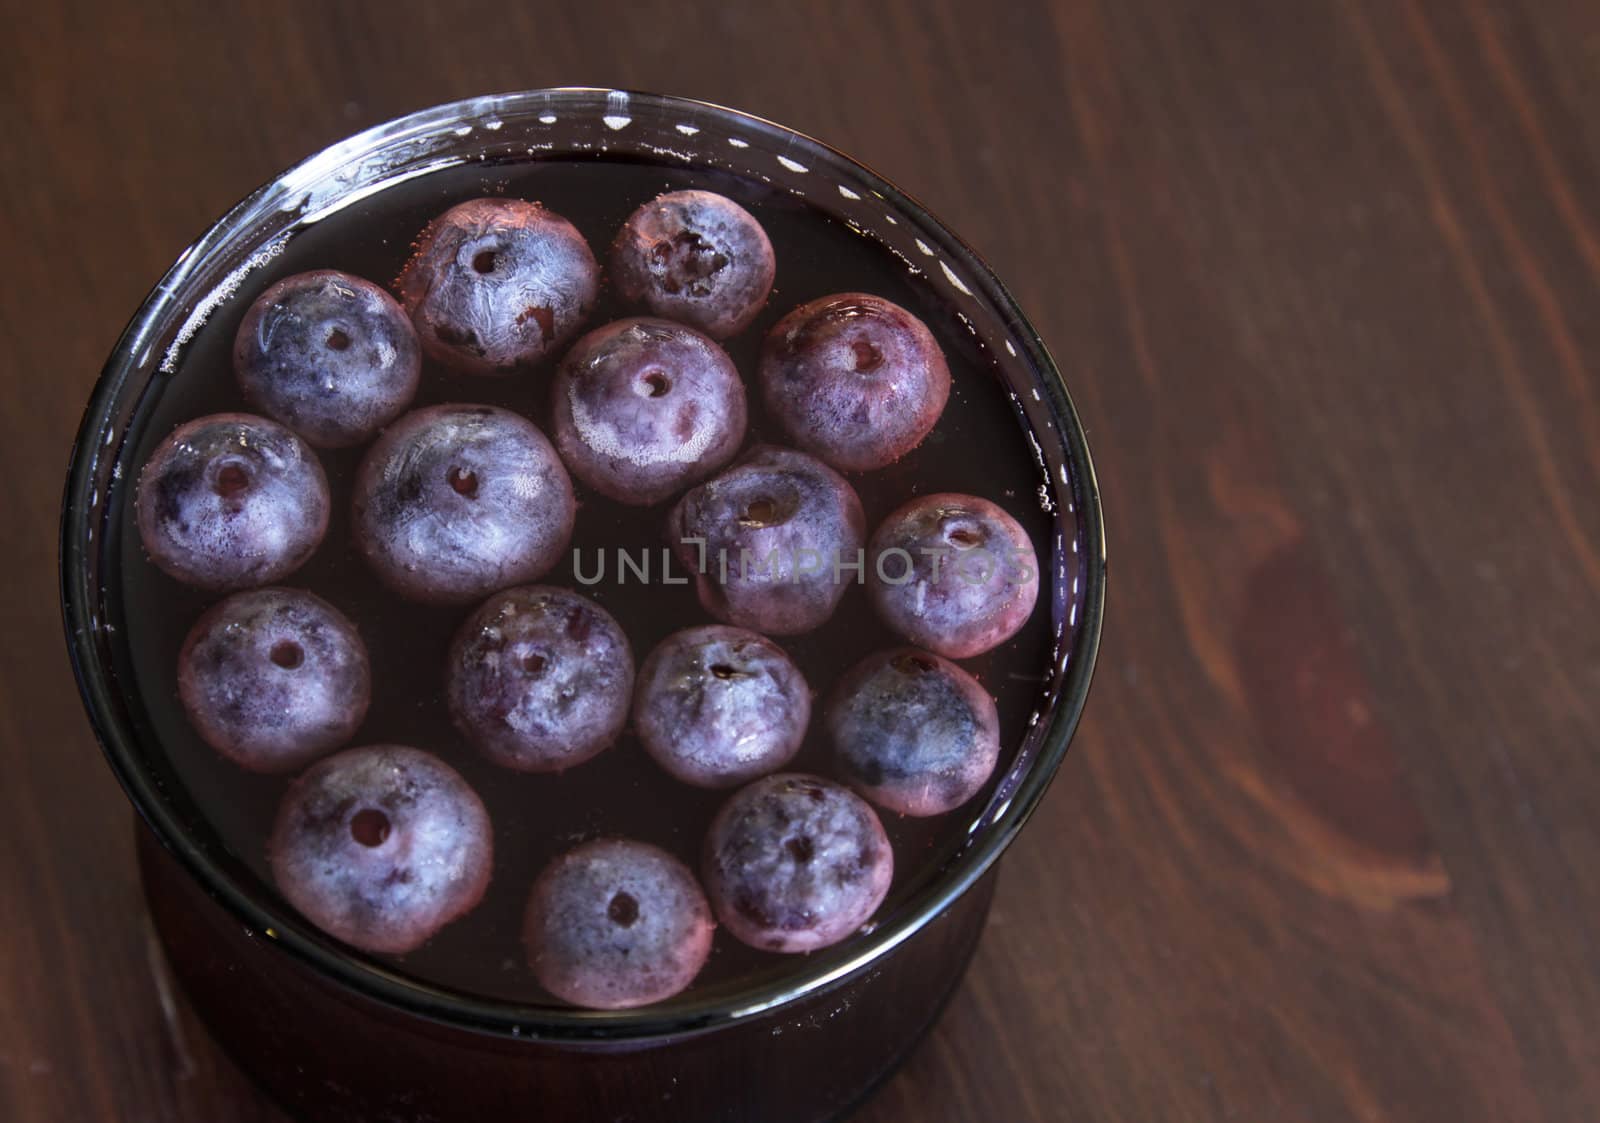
(814, 974)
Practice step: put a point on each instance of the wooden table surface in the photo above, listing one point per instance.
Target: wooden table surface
(1324, 277)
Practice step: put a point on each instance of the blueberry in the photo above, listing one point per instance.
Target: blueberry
(854, 379)
(232, 501)
(697, 257)
(381, 847)
(539, 679)
(719, 706)
(772, 541)
(274, 678)
(643, 408)
(953, 573)
(614, 924)
(794, 863)
(913, 732)
(456, 501)
(331, 356)
(498, 284)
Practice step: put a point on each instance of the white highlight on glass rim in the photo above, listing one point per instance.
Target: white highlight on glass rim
(927, 250)
(494, 124)
(1011, 349)
(548, 118)
(738, 143)
(223, 291)
(793, 165)
(687, 130)
(893, 221)
(464, 130)
(616, 116)
(950, 275)
(847, 193)
(330, 202)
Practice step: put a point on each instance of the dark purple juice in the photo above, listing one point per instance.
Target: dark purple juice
(979, 447)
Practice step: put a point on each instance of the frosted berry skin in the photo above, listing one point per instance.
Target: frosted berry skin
(456, 501)
(498, 284)
(854, 379)
(696, 257)
(913, 732)
(381, 847)
(794, 863)
(274, 678)
(232, 501)
(330, 355)
(642, 408)
(540, 679)
(615, 924)
(771, 541)
(953, 573)
(718, 706)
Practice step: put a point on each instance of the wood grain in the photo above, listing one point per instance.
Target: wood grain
(1323, 277)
